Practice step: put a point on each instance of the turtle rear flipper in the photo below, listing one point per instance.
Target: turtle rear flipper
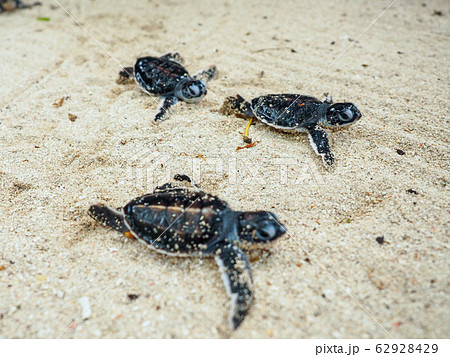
(21, 5)
(108, 216)
(319, 142)
(11, 5)
(237, 277)
(238, 106)
(183, 177)
(327, 98)
(171, 187)
(206, 74)
(173, 56)
(128, 72)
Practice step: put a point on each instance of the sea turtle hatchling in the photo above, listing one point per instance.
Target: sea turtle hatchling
(297, 112)
(189, 222)
(165, 77)
(11, 5)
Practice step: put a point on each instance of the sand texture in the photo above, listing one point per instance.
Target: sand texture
(390, 179)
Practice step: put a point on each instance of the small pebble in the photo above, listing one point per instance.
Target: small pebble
(328, 294)
(85, 307)
(118, 282)
(58, 293)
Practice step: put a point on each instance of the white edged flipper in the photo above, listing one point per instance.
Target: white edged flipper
(237, 278)
(163, 109)
(319, 142)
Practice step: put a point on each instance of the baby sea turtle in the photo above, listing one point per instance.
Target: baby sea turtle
(165, 77)
(297, 112)
(11, 5)
(185, 222)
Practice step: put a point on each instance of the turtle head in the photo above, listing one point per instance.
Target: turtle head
(341, 114)
(190, 90)
(257, 228)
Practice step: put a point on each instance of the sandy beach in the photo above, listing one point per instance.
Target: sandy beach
(328, 277)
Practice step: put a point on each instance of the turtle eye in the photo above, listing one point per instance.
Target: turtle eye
(346, 115)
(193, 90)
(267, 231)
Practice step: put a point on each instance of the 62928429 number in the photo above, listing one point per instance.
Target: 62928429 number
(406, 348)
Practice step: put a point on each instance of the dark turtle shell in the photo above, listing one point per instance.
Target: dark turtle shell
(159, 75)
(178, 221)
(288, 111)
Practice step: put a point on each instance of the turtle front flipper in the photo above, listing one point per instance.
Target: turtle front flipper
(163, 109)
(206, 74)
(319, 141)
(237, 277)
(108, 216)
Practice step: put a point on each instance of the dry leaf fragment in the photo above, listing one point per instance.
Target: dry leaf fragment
(72, 117)
(59, 102)
(247, 146)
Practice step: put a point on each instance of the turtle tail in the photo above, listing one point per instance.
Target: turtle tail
(108, 216)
